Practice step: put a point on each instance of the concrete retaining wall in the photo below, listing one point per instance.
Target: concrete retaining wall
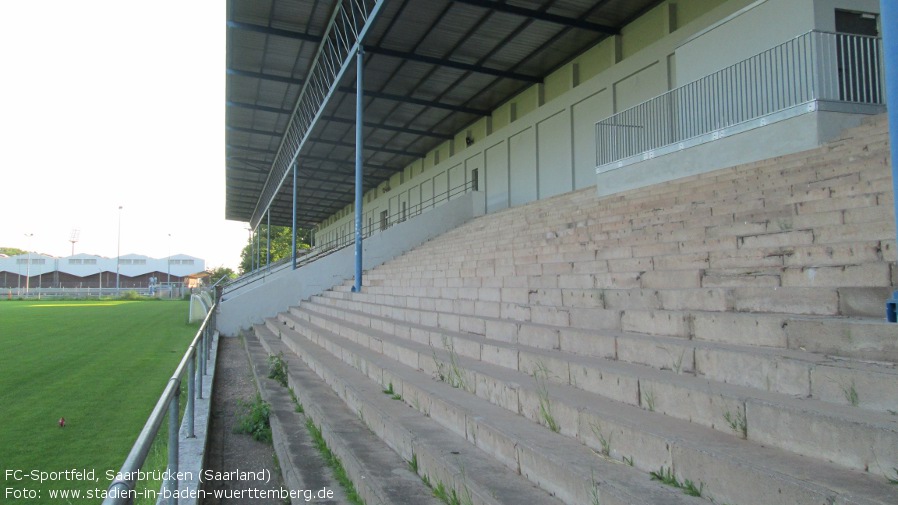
(275, 293)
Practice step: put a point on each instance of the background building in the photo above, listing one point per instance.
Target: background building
(85, 271)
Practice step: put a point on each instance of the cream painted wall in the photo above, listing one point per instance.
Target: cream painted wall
(542, 142)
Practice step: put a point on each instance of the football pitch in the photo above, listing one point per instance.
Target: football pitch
(101, 365)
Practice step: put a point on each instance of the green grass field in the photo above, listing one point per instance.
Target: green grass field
(100, 364)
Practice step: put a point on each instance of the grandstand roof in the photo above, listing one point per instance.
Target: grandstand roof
(433, 67)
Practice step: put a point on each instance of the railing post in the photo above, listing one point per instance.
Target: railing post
(191, 393)
(293, 244)
(172, 484)
(268, 241)
(198, 369)
(204, 353)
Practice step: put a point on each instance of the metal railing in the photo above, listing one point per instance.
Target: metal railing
(321, 249)
(813, 67)
(195, 363)
(385, 221)
(343, 36)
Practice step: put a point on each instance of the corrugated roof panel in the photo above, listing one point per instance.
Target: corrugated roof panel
(439, 34)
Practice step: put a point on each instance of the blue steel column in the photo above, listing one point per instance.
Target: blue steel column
(889, 13)
(253, 251)
(359, 95)
(268, 240)
(295, 163)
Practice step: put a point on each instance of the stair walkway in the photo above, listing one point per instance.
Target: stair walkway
(720, 336)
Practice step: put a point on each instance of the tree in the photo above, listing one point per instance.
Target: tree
(281, 246)
(217, 273)
(11, 251)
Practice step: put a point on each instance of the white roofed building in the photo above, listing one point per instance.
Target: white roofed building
(90, 271)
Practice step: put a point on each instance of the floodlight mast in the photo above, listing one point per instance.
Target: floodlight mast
(118, 258)
(28, 266)
(76, 233)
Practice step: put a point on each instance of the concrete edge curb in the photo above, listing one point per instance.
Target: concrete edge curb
(192, 451)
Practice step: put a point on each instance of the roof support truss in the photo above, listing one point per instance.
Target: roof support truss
(542, 16)
(343, 38)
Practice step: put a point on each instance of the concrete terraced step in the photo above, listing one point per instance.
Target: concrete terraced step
(302, 466)
(687, 200)
(787, 371)
(697, 248)
(834, 206)
(570, 471)
(836, 301)
(504, 311)
(731, 470)
(378, 474)
(856, 438)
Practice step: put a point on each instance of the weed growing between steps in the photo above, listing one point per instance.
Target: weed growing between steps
(329, 457)
(594, 498)
(450, 497)
(452, 373)
(389, 391)
(254, 419)
(334, 463)
(737, 422)
(603, 441)
(667, 477)
(298, 407)
(277, 368)
(648, 399)
(541, 376)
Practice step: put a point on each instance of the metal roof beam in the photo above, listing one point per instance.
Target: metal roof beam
(368, 147)
(264, 108)
(419, 101)
(249, 149)
(542, 16)
(368, 93)
(252, 131)
(267, 30)
(252, 163)
(452, 64)
(266, 77)
(349, 163)
(397, 129)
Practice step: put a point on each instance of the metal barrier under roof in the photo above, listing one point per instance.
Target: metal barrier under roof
(841, 71)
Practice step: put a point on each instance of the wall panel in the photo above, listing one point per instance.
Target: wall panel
(496, 177)
(522, 166)
(554, 155)
(586, 114)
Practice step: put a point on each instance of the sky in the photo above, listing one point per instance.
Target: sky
(108, 104)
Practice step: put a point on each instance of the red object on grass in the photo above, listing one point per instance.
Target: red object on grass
(62, 422)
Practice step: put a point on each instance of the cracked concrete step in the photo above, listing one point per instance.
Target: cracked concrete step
(731, 469)
(851, 245)
(564, 467)
(790, 372)
(840, 300)
(441, 457)
(859, 338)
(767, 227)
(827, 193)
(302, 467)
(850, 432)
(377, 472)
